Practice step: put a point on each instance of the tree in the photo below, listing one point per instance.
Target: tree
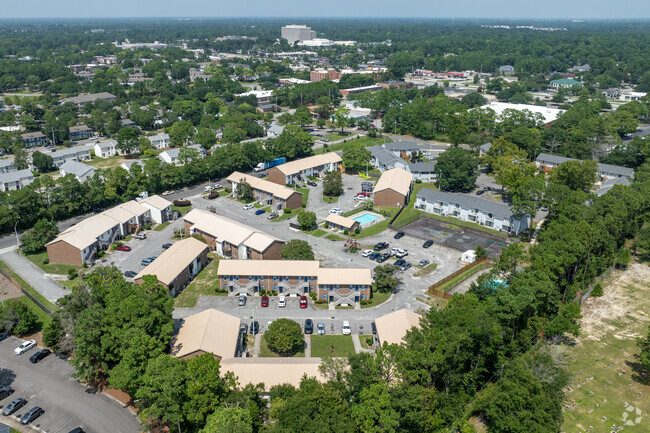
(644, 355)
(306, 219)
(205, 389)
(42, 162)
(180, 132)
(577, 175)
(385, 279)
(341, 117)
(20, 157)
(474, 99)
(480, 252)
(333, 184)
(284, 337)
(244, 190)
(127, 139)
(34, 240)
(355, 157)
(297, 249)
(205, 138)
(229, 419)
(456, 169)
(16, 317)
(302, 116)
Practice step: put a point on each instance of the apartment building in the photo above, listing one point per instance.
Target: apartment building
(300, 169)
(159, 208)
(76, 153)
(267, 193)
(469, 208)
(177, 266)
(392, 327)
(339, 286)
(159, 141)
(80, 170)
(82, 100)
(174, 156)
(31, 139)
(7, 165)
(393, 188)
(79, 132)
(547, 162)
(106, 149)
(232, 239)
(15, 180)
(210, 331)
(384, 159)
(321, 74)
(355, 90)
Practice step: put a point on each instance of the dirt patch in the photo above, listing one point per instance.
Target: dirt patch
(8, 290)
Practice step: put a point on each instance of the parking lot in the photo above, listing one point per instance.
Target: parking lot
(67, 404)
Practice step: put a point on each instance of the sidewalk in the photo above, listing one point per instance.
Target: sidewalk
(34, 276)
(357, 344)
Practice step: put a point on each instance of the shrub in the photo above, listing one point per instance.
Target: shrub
(357, 231)
(100, 254)
(418, 181)
(313, 296)
(46, 261)
(597, 291)
(147, 226)
(319, 301)
(228, 190)
(363, 302)
(369, 340)
(287, 210)
(72, 274)
(182, 203)
(113, 247)
(345, 232)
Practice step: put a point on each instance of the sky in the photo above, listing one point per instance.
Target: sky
(574, 9)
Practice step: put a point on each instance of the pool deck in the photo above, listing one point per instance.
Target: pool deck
(362, 219)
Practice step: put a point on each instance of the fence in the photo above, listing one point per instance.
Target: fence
(26, 293)
(600, 280)
(481, 261)
(440, 294)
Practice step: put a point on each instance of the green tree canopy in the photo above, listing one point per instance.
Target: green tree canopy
(456, 169)
(284, 337)
(297, 249)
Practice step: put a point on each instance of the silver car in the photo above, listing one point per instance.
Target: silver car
(242, 300)
(320, 328)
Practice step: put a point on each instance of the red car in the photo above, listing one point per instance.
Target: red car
(303, 302)
(123, 248)
(265, 301)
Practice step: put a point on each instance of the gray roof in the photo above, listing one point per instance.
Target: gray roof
(173, 153)
(609, 184)
(28, 135)
(422, 167)
(6, 162)
(79, 128)
(128, 164)
(14, 176)
(555, 159)
(82, 99)
(275, 129)
(79, 169)
(401, 145)
(384, 157)
(506, 68)
(106, 144)
(71, 151)
(466, 201)
(602, 168)
(485, 147)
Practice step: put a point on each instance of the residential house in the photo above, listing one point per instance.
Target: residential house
(174, 156)
(267, 193)
(177, 266)
(470, 208)
(210, 331)
(393, 188)
(76, 153)
(581, 68)
(127, 123)
(607, 185)
(159, 141)
(547, 162)
(384, 159)
(82, 100)
(298, 170)
(32, 139)
(79, 132)
(131, 216)
(423, 171)
(15, 180)
(484, 148)
(230, 238)
(80, 170)
(392, 327)
(506, 69)
(339, 222)
(7, 165)
(126, 165)
(159, 208)
(403, 149)
(106, 149)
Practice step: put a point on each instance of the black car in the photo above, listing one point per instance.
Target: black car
(4, 336)
(399, 262)
(311, 183)
(381, 246)
(480, 192)
(255, 327)
(399, 235)
(39, 355)
(31, 415)
(383, 258)
(77, 430)
(373, 256)
(14, 406)
(309, 326)
(243, 329)
(130, 274)
(165, 246)
(427, 244)
(5, 391)
(374, 327)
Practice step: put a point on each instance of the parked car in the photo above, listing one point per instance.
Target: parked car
(374, 327)
(255, 327)
(39, 355)
(345, 329)
(4, 336)
(25, 347)
(242, 300)
(405, 266)
(380, 246)
(77, 430)
(5, 391)
(303, 301)
(147, 261)
(320, 328)
(401, 253)
(366, 253)
(260, 212)
(311, 183)
(336, 211)
(265, 301)
(282, 302)
(374, 255)
(363, 194)
(31, 415)
(309, 326)
(208, 188)
(165, 246)
(243, 328)
(130, 274)
(123, 248)
(480, 192)
(423, 263)
(272, 216)
(383, 258)
(140, 236)
(399, 262)
(14, 406)
(399, 235)
(248, 206)
(427, 243)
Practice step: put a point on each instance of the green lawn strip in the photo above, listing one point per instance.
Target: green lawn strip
(181, 209)
(462, 277)
(426, 270)
(223, 193)
(373, 229)
(161, 227)
(334, 237)
(50, 268)
(364, 344)
(50, 306)
(286, 216)
(331, 345)
(69, 284)
(305, 195)
(365, 142)
(328, 199)
(266, 352)
(377, 299)
(318, 232)
(356, 211)
(104, 163)
(204, 284)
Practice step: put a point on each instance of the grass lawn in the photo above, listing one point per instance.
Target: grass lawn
(161, 227)
(286, 216)
(27, 287)
(204, 284)
(373, 230)
(69, 284)
(305, 195)
(50, 268)
(103, 163)
(265, 352)
(328, 199)
(318, 232)
(462, 277)
(334, 237)
(331, 345)
(181, 209)
(377, 298)
(426, 270)
(364, 344)
(365, 141)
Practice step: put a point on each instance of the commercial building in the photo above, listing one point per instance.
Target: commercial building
(80, 170)
(173, 156)
(565, 83)
(339, 222)
(105, 149)
(31, 139)
(297, 33)
(76, 153)
(79, 132)
(355, 90)
(340, 286)
(262, 96)
(300, 169)
(321, 74)
(392, 327)
(159, 208)
(210, 331)
(393, 188)
(550, 115)
(15, 180)
(231, 239)
(547, 162)
(177, 266)
(470, 208)
(82, 100)
(266, 192)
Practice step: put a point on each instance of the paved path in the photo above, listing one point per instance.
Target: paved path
(307, 346)
(357, 344)
(34, 276)
(257, 345)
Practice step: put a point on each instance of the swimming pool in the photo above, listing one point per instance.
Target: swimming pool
(366, 218)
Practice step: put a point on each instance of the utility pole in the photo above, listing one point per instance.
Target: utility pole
(16, 232)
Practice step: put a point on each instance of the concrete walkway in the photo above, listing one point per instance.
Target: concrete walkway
(357, 344)
(257, 345)
(34, 276)
(307, 346)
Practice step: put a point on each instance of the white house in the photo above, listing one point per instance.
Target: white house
(106, 149)
(468, 256)
(126, 165)
(159, 141)
(161, 209)
(171, 156)
(76, 153)
(80, 170)
(14, 180)
(468, 208)
(7, 165)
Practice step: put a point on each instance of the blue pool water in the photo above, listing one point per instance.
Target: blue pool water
(366, 218)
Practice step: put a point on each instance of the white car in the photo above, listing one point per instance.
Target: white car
(401, 254)
(336, 211)
(346, 328)
(366, 253)
(282, 302)
(249, 206)
(25, 347)
(208, 188)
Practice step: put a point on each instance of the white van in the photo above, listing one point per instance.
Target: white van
(346, 328)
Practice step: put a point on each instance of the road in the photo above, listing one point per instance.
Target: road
(67, 403)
